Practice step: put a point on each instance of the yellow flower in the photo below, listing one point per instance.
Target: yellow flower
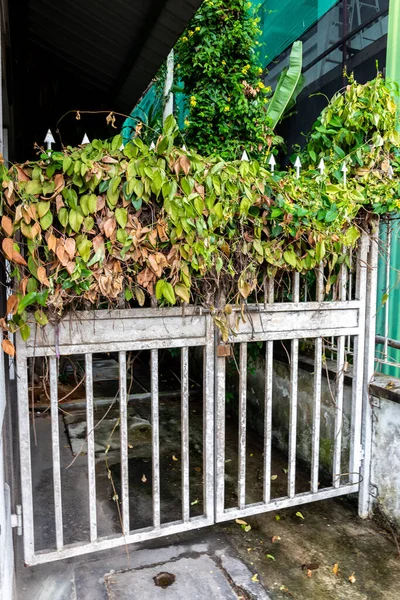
(223, 62)
(265, 100)
(229, 98)
(245, 69)
(187, 122)
(191, 33)
(197, 29)
(178, 65)
(227, 108)
(260, 70)
(261, 85)
(185, 39)
(193, 101)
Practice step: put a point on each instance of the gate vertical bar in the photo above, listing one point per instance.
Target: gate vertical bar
(90, 447)
(123, 424)
(185, 432)
(242, 424)
(155, 438)
(338, 427)
(220, 383)
(357, 390)
(294, 367)
(25, 453)
(269, 360)
(208, 422)
(55, 445)
(369, 363)
(317, 390)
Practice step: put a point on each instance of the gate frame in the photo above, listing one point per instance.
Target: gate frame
(53, 341)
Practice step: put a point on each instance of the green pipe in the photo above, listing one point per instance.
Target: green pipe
(392, 74)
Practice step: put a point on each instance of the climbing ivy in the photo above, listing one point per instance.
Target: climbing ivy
(100, 226)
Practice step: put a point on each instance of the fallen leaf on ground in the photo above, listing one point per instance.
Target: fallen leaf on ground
(273, 477)
(276, 538)
(174, 457)
(309, 573)
(285, 470)
(249, 549)
(299, 514)
(197, 469)
(335, 569)
(310, 566)
(241, 522)
(270, 556)
(283, 588)
(255, 578)
(144, 478)
(194, 502)
(246, 528)
(277, 518)
(352, 578)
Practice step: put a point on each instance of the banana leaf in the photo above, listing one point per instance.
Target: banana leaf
(289, 85)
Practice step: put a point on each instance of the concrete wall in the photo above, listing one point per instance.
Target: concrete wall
(280, 411)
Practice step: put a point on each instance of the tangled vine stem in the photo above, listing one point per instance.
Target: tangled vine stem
(100, 226)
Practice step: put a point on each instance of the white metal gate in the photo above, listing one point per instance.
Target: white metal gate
(348, 318)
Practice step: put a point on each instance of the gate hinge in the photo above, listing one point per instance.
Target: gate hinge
(16, 519)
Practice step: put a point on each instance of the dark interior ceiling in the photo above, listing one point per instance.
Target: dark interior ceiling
(87, 55)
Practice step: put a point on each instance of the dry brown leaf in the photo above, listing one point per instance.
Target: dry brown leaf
(335, 569)
(275, 538)
(309, 573)
(3, 324)
(22, 176)
(8, 347)
(52, 242)
(144, 478)
(240, 522)
(70, 266)
(70, 247)
(174, 457)
(59, 182)
(8, 247)
(352, 578)
(62, 256)
(42, 276)
(185, 164)
(59, 202)
(101, 202)
(7, 225)
(35, 231)
(109, 226)
(12, 304)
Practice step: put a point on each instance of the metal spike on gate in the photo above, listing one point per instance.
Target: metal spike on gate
(85, 140)
(152, 146)
(344, 170)
(245, 156)
(272, 163)
(297, 166)
(321, 166)
(184, 148)
(49, 139)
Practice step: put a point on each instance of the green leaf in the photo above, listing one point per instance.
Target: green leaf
(34, 187)
(290, 257)
(168, 293)
(351, 236)
(88, 223)
(63, 216)
(92, 203)
(26, 301)
(75, 220)
(25, 332)
(41, 317)
(137, 203)
(122, 236)
(67, 162)
(42, 208)
(270, 556)
(46, 221)
(287, 88)
(182, 291)
(85, 248)
(199, 205)
(258, 247)
(121, 215)
(41, 297)
(159, 288)
(300, 515)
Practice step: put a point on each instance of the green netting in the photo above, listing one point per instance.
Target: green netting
(284, 21)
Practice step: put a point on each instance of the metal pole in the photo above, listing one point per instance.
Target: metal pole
(169, 80)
